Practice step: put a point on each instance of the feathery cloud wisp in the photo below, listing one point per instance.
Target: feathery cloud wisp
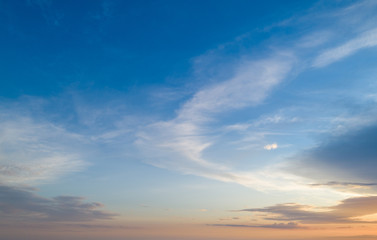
(180, 142)
(365, 40)
(33, 152)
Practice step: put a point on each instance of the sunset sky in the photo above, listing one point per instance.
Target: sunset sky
(188, 120)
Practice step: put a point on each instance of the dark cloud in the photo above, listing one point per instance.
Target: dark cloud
(345, 212)
(351, 157)
(344, 184)
(229, 219)
(289, 225)
(99, 226)
(23, 204)
(348, 186)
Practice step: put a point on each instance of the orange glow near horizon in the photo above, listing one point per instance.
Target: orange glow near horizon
(189, 231)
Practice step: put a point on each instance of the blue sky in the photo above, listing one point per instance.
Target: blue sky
(214, 114)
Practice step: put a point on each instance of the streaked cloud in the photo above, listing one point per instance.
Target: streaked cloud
(347, 211)
(289, 225)
(99, 226)
(179, 143)
(24, 205)
(314, 39)
(364, 40)
(251, 83)
(182, 142)
(353, 185)
(33, 151)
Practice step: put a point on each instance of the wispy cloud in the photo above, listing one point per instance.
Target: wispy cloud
(345, 184)
(364, 40)
(31, 151)
(289, 225)
(314, 39)
(180, 142)
(23, 205)
(348, 211)
(250, 85)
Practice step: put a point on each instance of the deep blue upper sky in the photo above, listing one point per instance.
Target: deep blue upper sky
(48, 46)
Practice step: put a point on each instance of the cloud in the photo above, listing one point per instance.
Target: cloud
(229, 219)
(271, 146)
(23, 205)
(178, 144)
(249, 86)
(87, 227)
(33, 151)
(181, 142)
(344, 184)
(289, 225)
(350, 157)
(347, 211)
(364, 40)
(274, 119)
(314, 39)
(230, 85)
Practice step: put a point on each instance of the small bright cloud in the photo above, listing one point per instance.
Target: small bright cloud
(271, 146)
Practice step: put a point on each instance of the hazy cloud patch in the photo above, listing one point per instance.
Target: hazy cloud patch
(347, 185)
(289, 225)
(34, 151)
(365, 40)
(348, 211)
(20, 204)
(347, 158)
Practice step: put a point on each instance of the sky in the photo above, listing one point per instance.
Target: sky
(188, 120)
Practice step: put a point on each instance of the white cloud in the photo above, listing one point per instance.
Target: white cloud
(365, 40)
(314, 39)
(249, 86)
(275, 119)
(33, 152)
(271, 146)
(179, 144)
(238, 127)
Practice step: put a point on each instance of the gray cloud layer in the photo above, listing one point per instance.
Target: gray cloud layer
(289, 225)
(344, 184)
(347, 158)
(346, 212)
(24, 205)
